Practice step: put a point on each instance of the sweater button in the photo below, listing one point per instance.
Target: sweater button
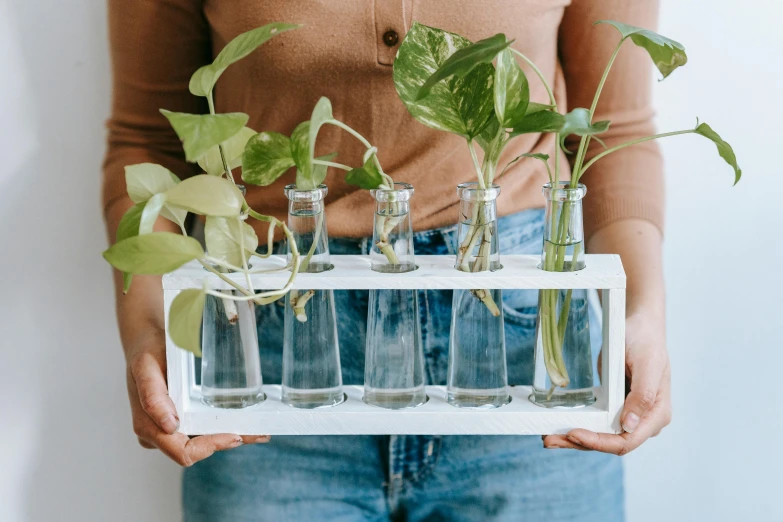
(390, 38)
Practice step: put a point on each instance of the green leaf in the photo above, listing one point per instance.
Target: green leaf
(534, 107)
(367, 177)
(539, 121)
(203, 80)
(300, 151)
(485, 137)
(322, 113)
(129, 224)
(150, 213)
(153, 253)
(463, 106)
(185, 316)
(207, 195)
(578, 122)
(233, 147)
(201, 132)
(537, 155)
(724, 149)
(147, 179)
(129, 227)
(512, 92)
(666, 54)
(465, 60)
(267, 156)
(222, 236)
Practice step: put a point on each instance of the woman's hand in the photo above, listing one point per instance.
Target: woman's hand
(648, 407)
(155, 420)
(140, 318)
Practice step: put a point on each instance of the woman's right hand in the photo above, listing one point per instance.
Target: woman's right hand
(155, 420)
(141, 322)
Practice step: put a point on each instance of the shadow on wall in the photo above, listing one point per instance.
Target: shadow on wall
(70, 453)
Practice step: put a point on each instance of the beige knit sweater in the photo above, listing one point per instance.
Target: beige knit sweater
(342, 53)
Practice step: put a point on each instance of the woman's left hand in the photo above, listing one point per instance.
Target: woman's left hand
(648, 407)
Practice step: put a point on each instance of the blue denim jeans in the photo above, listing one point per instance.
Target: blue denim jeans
(411, 478)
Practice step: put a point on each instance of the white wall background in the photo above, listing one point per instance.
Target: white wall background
(67, 451)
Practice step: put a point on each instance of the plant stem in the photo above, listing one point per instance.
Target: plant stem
(628, 144)
(530, 63)
(479, 172)
(332, 164)
(227, 170)
(585, 141)
(316, 237)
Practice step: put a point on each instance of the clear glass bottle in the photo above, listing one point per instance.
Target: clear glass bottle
(312, 376)
(394, 360)
(477, 376)
(564, 362)
(230, 362)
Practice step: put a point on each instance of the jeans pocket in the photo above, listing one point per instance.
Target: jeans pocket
(524, 317)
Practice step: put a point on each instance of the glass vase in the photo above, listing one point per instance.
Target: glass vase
(563, 357)
(394, 359)
(477, 376)
(230, 362)
(312, 376)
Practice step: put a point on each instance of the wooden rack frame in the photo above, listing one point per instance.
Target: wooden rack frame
(437, 417)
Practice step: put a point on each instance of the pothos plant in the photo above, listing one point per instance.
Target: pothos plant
(216, 142)
(451, 84)
(268, 155)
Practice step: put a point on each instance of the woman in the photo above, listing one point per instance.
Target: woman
(345, 51)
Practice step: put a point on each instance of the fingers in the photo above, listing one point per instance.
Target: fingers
(186, 451)
(148, 375)
(646, 375)
(561, 442)
(651, 425)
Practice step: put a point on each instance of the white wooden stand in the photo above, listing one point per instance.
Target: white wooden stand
(437, 417)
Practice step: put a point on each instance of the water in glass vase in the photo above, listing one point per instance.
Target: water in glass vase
(575, 355)
(477, 362)
(311, 360)
(230, 363)
(394, 360)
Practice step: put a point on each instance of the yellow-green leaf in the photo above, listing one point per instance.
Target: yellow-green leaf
(147, 179)
(233, 147)
(222, 236)
(153, 253)
(203, 80)
(201, 132)
(185, 317)
(207, 195)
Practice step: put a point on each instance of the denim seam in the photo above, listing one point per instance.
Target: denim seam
(429, 461)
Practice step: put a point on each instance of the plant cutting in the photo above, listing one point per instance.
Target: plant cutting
(268, 155)
(311, 362)
(450, 84)
(216, 142)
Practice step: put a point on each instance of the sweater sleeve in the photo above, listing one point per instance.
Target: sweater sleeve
(155, 46)
(628, 183)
